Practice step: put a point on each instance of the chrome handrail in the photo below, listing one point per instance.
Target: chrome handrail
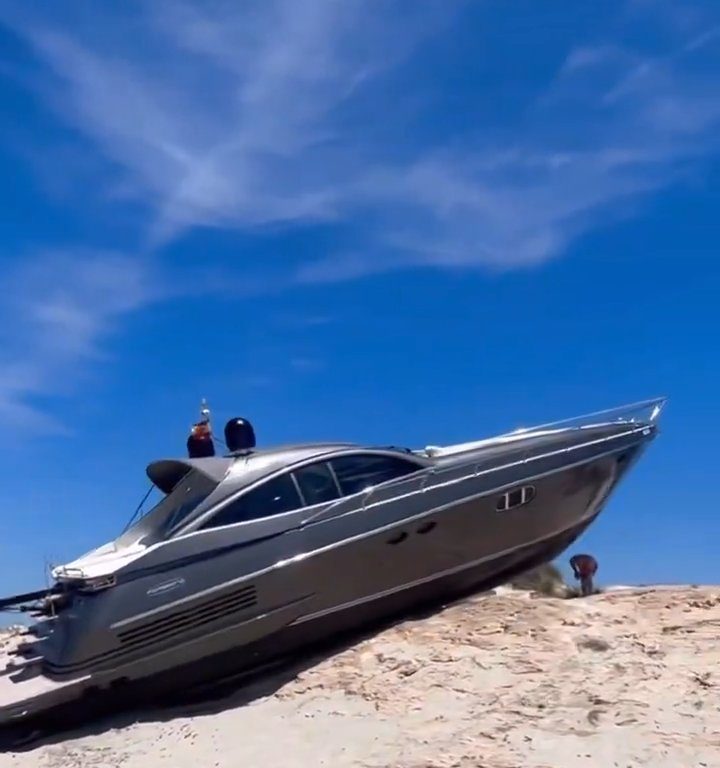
(433, 472)
(656, 406)
(484, 468)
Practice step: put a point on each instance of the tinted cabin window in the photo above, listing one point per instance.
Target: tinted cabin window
(355, 473)
(271, 498)
(317, 484)
(185, 497)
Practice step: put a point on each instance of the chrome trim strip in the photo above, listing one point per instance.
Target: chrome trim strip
(195, 526)
(593, 510)
(432, 577)
(300, 494)
(335, 479)
(423, 489)
(382, 529)
(659, 404)
(440, 508)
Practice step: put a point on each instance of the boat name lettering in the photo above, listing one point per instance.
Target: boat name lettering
(166, 586)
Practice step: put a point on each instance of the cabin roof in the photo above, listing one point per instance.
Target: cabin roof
(166, 473)
(240, 468)
(294, 451)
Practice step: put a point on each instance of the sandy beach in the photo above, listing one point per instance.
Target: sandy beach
(509, 680)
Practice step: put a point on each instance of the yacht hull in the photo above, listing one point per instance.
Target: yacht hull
(471, 563)
(73, 702)
(434, 541)
(334, 628)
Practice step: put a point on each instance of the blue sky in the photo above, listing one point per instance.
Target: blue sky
(408, 222)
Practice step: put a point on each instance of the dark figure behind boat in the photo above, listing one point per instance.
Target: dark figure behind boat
(584, 568)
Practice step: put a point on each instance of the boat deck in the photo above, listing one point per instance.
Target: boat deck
(23, 690)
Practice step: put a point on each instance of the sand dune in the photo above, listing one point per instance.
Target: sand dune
(626, 678)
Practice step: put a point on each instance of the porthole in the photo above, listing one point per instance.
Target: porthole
(515, 498)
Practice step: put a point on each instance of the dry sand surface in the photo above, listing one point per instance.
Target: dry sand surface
(510, 680)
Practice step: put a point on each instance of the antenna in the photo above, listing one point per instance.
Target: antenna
(200, 441)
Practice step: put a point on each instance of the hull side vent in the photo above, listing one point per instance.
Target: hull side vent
(189, 619)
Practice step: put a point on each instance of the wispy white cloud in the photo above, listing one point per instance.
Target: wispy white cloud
(611, 128)
(257, 114)
(236, 121)
(58, 312)
(232, 125)
(583, 57)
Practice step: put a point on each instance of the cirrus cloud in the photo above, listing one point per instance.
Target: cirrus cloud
(261, 116)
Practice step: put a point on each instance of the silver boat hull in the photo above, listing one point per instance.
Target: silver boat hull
(229, 604)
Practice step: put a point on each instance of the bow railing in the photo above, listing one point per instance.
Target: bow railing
(636, 415)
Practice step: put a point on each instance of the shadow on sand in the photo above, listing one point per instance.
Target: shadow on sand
(121, 708)
(97, 715)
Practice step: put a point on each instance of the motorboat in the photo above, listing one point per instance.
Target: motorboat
(257, 554)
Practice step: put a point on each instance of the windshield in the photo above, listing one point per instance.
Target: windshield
(172, 510)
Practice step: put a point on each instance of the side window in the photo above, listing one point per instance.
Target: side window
(317, 484)
(271, 498)
(355, 473)
(515, 498)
